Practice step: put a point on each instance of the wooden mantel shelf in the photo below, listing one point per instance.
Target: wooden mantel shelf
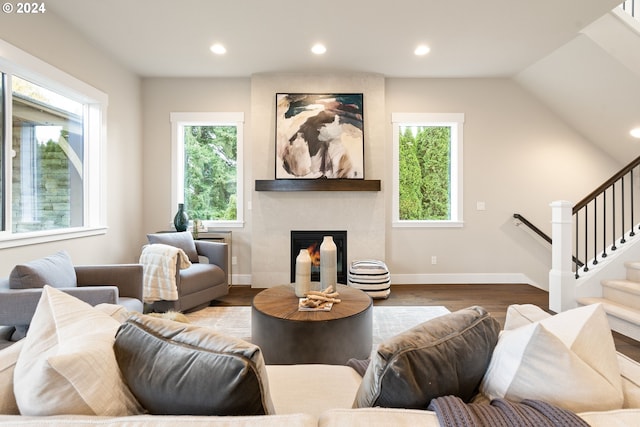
(317, 185)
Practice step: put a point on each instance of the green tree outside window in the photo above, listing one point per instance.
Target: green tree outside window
(425, 173)
(210, 172)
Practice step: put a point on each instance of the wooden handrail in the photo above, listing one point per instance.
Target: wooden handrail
(533, 227)
(608, 183)
(541, 234)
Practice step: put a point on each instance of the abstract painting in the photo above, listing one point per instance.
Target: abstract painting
(319, 136)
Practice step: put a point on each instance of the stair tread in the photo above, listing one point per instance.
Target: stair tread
(614, 308)
(629, 286)
(632, 265)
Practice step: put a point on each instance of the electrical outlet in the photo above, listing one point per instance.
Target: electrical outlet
(434, 260)
(234, 260)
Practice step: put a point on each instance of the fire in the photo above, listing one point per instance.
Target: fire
(314, 253)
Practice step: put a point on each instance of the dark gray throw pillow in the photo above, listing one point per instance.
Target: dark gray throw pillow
(179, 369)
(183, 240)
(447, 355)
(55, 270)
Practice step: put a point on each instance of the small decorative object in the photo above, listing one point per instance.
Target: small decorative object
(181, 220)
(319, 300)
(328, 263)
(303, 273)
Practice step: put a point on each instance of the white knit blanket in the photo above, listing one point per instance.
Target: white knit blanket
(159, 264)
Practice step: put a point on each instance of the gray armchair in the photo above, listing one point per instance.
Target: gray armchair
(204, 281)
(94, 284)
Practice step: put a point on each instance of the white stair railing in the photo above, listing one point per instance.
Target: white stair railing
(562, 279)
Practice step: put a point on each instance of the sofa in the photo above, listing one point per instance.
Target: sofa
(169, 369)
(119, 284)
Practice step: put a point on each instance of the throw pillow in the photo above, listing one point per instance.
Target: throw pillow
(183, 240)
(8, 359)
(447, 355)
(115, 311)
(180, 369)
(522, 315)
(55, 270)
(568, 360)
(67, 364)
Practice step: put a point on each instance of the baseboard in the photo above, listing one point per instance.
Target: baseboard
(240, 279)
(434, 279)
(461, 278)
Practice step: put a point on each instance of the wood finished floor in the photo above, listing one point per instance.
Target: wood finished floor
(495, 298)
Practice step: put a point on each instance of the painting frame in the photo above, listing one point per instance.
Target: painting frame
(319, 136)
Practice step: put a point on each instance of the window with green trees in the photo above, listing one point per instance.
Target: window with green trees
(208, 166)
(427, 169)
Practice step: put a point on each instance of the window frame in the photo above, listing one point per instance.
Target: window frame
(456, 122)
(181, 119)
(14, 61)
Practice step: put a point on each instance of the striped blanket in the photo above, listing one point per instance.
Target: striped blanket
(160, 263)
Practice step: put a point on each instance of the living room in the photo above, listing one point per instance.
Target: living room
(519, 155)
(521, 152)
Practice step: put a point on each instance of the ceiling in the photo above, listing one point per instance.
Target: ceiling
(468, 38)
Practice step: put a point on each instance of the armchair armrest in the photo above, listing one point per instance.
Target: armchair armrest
(127, 277)
(18, 305)
(216, 252)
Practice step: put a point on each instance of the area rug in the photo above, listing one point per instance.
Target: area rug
(387, 321)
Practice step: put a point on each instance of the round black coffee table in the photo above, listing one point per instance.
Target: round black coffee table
(288, 336)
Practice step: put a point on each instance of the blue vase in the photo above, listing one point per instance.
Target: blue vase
(181, 220)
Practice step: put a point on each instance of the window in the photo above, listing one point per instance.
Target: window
(427, 170)
(51, 138)
(207, 175)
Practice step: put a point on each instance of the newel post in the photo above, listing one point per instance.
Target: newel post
(562, 280)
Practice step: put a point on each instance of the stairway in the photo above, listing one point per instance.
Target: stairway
(621, 300)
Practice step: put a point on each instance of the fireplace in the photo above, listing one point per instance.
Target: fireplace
(311, 241)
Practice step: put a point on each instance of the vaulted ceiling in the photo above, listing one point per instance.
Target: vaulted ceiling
(562, 51)
(468, 38)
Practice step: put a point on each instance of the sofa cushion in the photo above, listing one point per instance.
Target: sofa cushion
(183, 240)
(568, 360)
(447, 355)
(179, 369)
(312, 388)
(287, 420)
(55, 270)
(67, 364)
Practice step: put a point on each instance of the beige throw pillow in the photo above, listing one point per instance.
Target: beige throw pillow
(568, 360)
(67, 364)
(8, 360)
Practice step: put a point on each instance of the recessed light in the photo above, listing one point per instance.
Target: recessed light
(635, 132)
(422, 50)
(218, 49)
(318, 49)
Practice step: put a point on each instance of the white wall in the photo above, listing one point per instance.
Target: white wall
(50, 39)
(518, 157)
(162, 96)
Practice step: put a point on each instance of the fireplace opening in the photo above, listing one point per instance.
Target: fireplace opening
(311, 240)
